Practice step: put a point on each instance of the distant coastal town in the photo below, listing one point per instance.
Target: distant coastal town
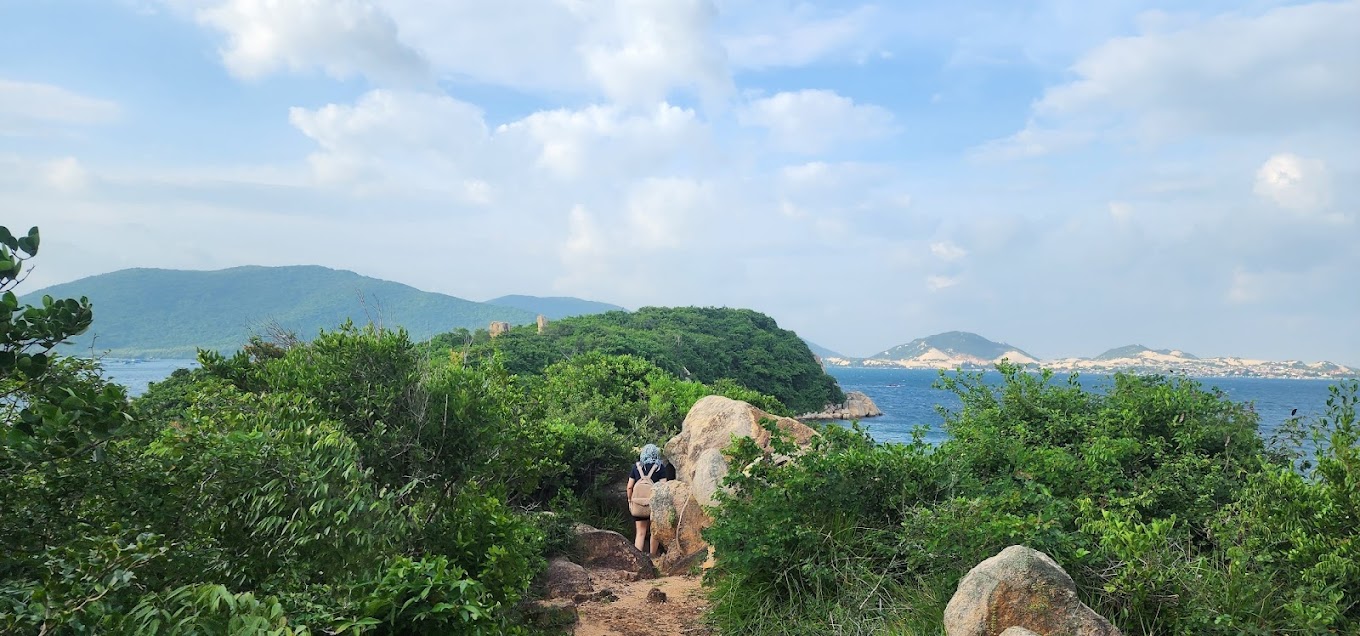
(964, 350)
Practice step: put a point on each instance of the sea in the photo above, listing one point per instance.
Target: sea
(908, 397)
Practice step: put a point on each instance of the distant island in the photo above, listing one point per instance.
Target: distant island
(166, 313)
(961, 349)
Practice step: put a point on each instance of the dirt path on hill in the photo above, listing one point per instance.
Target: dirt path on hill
(634, 615)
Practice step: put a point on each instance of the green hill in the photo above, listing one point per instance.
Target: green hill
(954, 343)
(170, 313)
(704, 344)
(1132, 351)
(554, 307)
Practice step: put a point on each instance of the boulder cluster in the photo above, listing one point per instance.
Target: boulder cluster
(857, 406)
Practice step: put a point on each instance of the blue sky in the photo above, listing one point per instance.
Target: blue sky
(1064, 176)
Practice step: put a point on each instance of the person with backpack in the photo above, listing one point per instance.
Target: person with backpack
(647, 471)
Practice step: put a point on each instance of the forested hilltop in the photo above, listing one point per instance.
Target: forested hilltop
(693, 343)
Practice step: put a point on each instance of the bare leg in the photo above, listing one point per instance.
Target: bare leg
(639, 539)
(656, 547)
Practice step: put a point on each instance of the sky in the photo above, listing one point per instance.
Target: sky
(1062, 175)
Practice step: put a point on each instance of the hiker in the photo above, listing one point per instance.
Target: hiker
(648, 470)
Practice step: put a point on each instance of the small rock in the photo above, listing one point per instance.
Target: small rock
(602, 596)
(655, 595)
(564, 579)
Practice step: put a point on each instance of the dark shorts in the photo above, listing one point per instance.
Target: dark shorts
(642, 518)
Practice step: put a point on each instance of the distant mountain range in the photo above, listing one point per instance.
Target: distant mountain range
(171, 313)
(820, 351)
(960, 349)
(953, 348)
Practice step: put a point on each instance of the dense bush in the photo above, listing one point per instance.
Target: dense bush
(633, 396)
(339, 485)
(1158, 496)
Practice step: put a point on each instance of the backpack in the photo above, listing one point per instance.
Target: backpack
(641, 503)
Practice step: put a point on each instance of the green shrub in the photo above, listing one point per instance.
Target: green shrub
(1158, 496)
(207, 609)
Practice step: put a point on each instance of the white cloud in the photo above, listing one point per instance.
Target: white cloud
(584, 245)
(602, 140)
(66, 174)
(344, 38)
(1032, 141)
(947, 251)
(27, 107)
(663, 213)
(1294, 183)
(410, 137)
(630, 52)
(797, 35)
(646, 49)
(811, 121)
(1248, 287)
(636, 244)
(937, 283)
(525, 44)
(478, 191)
(1121, 212)
(1287, 69)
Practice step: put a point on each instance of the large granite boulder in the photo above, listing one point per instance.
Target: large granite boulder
(709, 428)
(677, 521)
(609, 550)
(564, 579)
(1022, 588)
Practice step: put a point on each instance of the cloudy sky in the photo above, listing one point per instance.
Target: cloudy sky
(1063, 175)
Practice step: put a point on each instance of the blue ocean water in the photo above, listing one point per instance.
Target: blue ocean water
(907, 399)
(136, 375)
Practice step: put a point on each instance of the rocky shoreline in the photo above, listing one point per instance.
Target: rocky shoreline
(857, 406)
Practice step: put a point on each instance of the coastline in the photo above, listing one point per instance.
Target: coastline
(1234, 371)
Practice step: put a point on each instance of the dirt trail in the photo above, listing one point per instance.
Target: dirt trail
(634, 615)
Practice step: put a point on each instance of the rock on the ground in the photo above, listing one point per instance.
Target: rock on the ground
(1021, 587)
(684, 565)
(606, 595)
(564, 579)
(709, 428)
(551, 613)
(655, 595)
(610, 550)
